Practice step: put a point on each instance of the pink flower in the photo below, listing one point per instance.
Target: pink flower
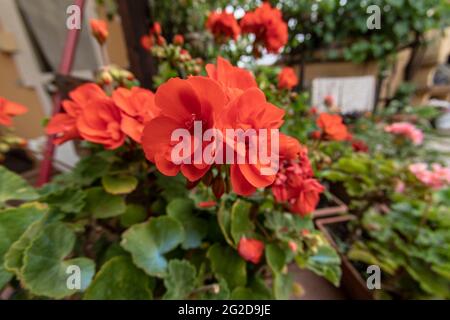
(407, 130)
(435, 178)
(400, 186)
(293, 246)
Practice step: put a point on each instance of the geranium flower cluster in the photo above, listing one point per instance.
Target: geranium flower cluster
(331, 128)
(227, 98)
(406, 130)
(287, 79)
(436, 178)
(294, 184)
(92, 115)
(265, 22)
(223, 26)
(153, 37)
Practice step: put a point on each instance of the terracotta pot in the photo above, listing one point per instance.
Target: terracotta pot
(352, 281)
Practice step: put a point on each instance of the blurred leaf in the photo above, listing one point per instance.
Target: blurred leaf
(13, 223)
(148, 242)
(133, 214)
(241, 225)
(326, 263)
(194, 227)
(119, 279)
(276, 257)
(14, 187)
(228, 265)
(180, 280)
(119, 184)
(45, 270)
(282, 285)
(103, 205)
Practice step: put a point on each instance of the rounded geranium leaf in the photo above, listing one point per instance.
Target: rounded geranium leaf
(120, 184)
(283, 285)
(14, 187)
(46, 273)
(13, 223)
(120, 279)
(194, 227)
(133, 214)
(14, 256)
(148, 242)
(228, 265)
(276, 257)
(104, 205)
(241, 225)
(180, 280)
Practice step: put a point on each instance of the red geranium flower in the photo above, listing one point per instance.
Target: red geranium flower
(223, 25)
(294, 184)
(178, 40)
(147, 42)
(181, 102)
(251, 250)
(156, 29)
(250, 111)
(287, 79)
(233, 80)
(100, 121)
(359, 146)
(99, 30)
(332, 127)
(268, 26)
(10, 109)
(138, 107)
(64, 124)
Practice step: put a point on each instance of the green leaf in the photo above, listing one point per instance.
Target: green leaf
(68, 200)
(428, 281)
(241, 225)
(119, 279)
(180, 280)
(257, 290)
(120, 184)
(13, 223)
(15, 254)
(282, 285)
(195, 228)
(276, 257)
(14, 187)
(133, 214)
(228, 265)
(242, 293)
(103, 205)
(326, 263)
(45, 272)
(148, 242)
(91, 168)
(224, 220)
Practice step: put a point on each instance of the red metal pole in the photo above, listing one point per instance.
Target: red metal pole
(65, 67)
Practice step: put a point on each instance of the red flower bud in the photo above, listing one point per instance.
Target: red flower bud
(99, 30)
(251, 250)
(178, 40)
